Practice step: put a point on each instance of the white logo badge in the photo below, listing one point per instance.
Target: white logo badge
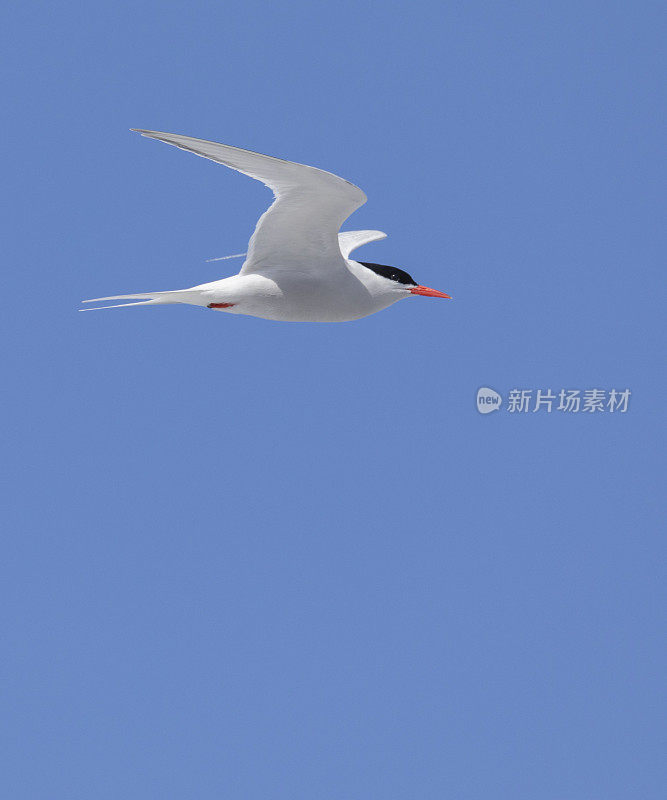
(488, 400)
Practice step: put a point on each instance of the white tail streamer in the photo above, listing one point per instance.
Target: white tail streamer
(224, 258)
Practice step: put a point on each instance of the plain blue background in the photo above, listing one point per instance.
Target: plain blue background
(251, 559)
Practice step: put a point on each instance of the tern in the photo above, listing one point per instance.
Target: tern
(297, 268)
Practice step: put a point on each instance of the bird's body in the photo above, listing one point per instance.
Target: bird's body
(290, 295)
(297, 267)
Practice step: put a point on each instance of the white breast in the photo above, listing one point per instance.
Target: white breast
(301, 295)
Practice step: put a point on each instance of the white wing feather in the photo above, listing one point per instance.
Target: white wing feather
(301, 226)
(347, 241)
(350, 240)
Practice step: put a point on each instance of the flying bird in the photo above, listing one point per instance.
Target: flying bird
(298, 266)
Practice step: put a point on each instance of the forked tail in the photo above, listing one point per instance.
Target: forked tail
(144, 299)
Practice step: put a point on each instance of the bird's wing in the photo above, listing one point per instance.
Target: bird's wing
(301, 226)
(350, 240)
(347, 241)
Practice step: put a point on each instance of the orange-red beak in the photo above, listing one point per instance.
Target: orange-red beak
(429, 292)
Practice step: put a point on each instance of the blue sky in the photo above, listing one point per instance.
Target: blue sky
(251, 559)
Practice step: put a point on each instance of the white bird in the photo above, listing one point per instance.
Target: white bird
(297, 267)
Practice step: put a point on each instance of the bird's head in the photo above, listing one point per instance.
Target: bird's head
(398, 281)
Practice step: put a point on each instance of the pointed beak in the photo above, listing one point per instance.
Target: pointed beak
(424, 290)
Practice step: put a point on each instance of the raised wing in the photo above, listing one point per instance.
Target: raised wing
(347, 241)
(350, 240)
(301, 226)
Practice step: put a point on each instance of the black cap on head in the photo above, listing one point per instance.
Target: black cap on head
(393, 273)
